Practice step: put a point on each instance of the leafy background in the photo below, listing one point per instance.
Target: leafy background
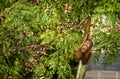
(38, 37)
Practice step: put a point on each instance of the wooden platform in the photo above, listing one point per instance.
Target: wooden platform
(96, 70)
(102, 75)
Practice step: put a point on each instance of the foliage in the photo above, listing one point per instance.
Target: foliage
(38, 37)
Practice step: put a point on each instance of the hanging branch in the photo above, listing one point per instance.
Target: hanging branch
(73, 29)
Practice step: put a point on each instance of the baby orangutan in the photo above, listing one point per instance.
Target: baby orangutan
(84, 50)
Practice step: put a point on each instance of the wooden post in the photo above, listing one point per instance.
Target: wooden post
(81, 71)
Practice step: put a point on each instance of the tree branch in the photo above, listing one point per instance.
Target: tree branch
(78, 25)
(33, 47)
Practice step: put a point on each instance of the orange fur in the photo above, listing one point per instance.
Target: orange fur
(84, 50)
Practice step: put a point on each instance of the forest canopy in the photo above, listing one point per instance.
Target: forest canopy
(38, 37)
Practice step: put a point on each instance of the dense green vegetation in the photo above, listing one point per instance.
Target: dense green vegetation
(38, 37)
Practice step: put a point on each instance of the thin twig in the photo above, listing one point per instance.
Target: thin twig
(9, 9)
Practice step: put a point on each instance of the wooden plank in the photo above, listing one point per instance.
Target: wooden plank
(102, 75)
